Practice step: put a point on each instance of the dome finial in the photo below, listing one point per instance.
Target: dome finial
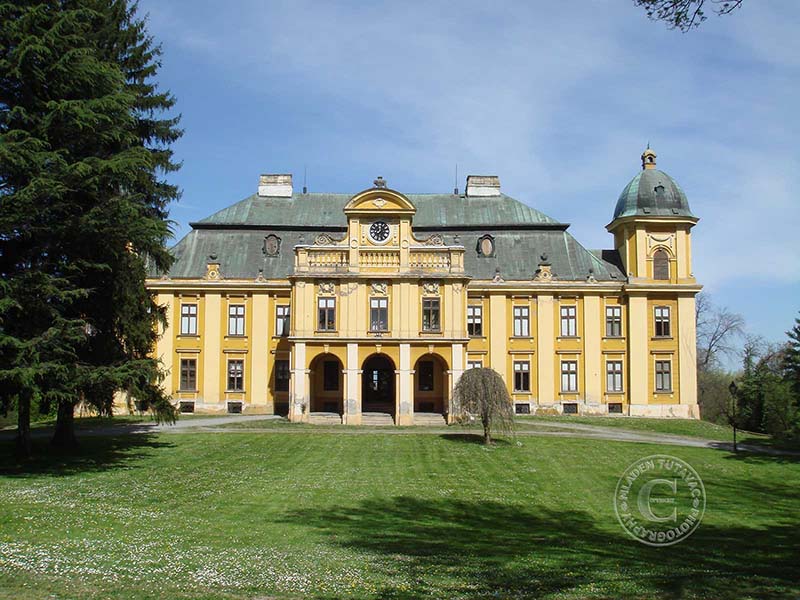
(648, 158)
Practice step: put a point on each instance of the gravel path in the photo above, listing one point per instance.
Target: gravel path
(558, 429)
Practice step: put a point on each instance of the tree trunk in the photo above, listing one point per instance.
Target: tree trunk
(487, 432)
(64, 435)
(23, 440)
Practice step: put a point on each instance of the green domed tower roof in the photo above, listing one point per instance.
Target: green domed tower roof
(652, 193)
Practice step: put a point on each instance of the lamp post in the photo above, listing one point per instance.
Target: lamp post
(732, 416)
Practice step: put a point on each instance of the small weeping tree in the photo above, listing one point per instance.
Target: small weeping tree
(483, 392)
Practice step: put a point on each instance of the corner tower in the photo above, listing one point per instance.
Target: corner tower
(652, 227)
(652, 233)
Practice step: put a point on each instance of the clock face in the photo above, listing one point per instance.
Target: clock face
(379, 232)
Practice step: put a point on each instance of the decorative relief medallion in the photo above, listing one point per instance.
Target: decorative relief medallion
(379, 288)
(434, 240)
(543, 273)
(485, 246)
(430, 288)
(323, 239)
(666, 240)
(379, 202)
(327, 287)
(213, 271)
(272, 245)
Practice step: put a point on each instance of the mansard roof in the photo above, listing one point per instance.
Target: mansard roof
(235, 237)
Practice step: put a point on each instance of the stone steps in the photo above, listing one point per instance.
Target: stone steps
(429, 420)
(324, 418)
(376, 419)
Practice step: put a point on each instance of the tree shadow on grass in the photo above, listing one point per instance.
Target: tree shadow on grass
(455, 548)
(95, 453)
(473, 438)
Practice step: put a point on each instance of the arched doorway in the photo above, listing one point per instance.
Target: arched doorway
(327, 384)
(430, 385)
(377, 385)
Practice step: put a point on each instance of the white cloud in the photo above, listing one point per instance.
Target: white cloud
(558, 99)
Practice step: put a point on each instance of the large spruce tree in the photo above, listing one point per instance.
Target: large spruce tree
(84, 149)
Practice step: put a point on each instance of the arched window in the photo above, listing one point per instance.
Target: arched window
(660, 264)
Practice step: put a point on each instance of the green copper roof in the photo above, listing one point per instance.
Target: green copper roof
(235, 237)
(652, 193)
(326, 210)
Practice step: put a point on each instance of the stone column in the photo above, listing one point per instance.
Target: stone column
(352, 398)
(454, 374)
(404, 408)
(300, 398)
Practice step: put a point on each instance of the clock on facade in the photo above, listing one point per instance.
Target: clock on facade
(379, 232)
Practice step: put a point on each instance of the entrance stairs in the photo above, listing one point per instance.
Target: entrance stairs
(376, 419)
(324, 418)
(429, 419)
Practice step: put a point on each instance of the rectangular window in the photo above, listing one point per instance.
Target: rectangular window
(663, 376)
(379, 314)
(570, 408)
(430, 314)
(474, 364)
(425, 370)
(614, 376)
(330, 380)
(188, 381)
(236, 375)
(615, 408)
(236, 319)
(569, 376)
(522, 321)
(475, 321)
(662, 321)
(282, 320)
(613, 321)
(281, 375)
(569, 321)
(522, 409)
(522, 376)
(327, 314)
(188, 319)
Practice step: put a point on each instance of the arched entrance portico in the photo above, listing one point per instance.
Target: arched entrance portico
(378, 385)
(327, 385)
(431, 385)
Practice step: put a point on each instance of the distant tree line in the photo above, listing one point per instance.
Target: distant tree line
(764, 394)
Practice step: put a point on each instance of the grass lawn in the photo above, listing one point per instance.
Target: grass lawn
(307, 514)
(685, 427)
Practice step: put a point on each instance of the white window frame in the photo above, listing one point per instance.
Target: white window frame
(475, 319)
(283, 315)
(189, 318)
(236, 322)
(614, 376)
(523, 369)
(569, 376)
(381, 305)
(613, 317)
(522, 321)
(569, 320)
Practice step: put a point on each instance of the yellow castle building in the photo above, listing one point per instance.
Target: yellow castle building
(367, 308)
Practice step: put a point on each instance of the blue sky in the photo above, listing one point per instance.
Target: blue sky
(557, 98)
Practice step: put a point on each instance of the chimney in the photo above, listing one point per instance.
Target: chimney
(483, 185)
(276, 186)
